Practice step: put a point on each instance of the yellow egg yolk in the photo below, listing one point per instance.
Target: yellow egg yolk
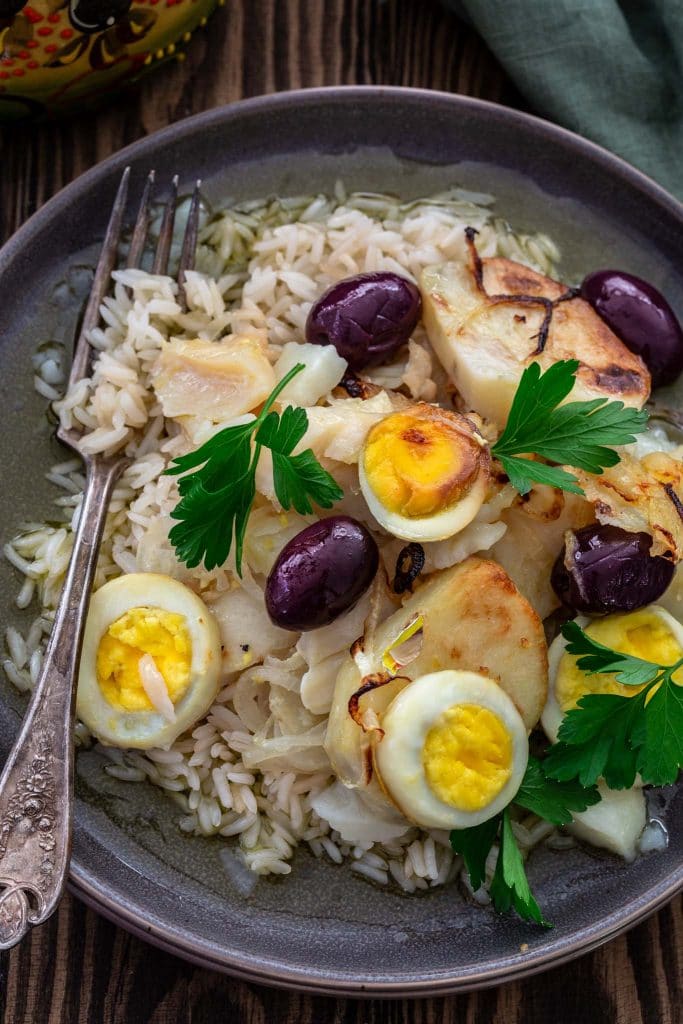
(139, 631)
(421, 462)
(640, 633)
(467, 757)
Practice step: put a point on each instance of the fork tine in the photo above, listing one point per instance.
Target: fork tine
(137, 242)
(105, 265)
(160, 265)
(188, 250)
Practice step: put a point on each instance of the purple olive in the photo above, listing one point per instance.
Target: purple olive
(321, 573)
(641, 317)
(367, 317)
(603, 569)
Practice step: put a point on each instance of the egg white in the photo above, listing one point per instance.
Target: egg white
(439, 525)
(552, 714)
(144, 729)
(406, 722)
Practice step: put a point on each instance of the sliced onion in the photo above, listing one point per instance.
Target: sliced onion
(301, 753)
(406, 647)
(359, 817)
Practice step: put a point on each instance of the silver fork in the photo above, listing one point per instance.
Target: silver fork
(36, 785)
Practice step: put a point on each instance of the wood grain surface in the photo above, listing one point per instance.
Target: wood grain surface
(78, 968)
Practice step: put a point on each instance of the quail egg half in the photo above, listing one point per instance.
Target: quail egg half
(150, 662)
(649, 633)
(424, 472)
(454, 750)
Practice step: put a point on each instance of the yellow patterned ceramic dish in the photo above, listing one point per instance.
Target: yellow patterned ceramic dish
(58, 54)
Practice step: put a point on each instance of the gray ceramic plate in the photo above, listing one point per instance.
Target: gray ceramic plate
(321, 929)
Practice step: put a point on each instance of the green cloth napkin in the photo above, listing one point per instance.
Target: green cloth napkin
(611, 70)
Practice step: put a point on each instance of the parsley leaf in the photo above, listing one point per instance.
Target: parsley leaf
(233, 444)
(207, 521)
(661, 734)
(595, 741)
(594, 658)
(576, 434)
(551, 799)
(474, 845)
(523, 473)
(510, 886)
(298, 479)
(218, 484)
(615, 736)
(282, 433)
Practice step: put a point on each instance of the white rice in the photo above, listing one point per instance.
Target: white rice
(260, 265)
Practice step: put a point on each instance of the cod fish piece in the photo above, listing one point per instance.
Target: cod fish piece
(486, 331)
(215, 380)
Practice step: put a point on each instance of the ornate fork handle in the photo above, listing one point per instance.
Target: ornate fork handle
(37, 782)
(36, 785)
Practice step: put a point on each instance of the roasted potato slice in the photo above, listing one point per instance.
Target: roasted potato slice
(485, 344)
(474, 618)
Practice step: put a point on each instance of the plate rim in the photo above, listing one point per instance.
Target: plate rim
(296, 980)
(195, 949)
(295, 97)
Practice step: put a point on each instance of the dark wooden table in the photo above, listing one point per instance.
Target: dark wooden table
(79, 967)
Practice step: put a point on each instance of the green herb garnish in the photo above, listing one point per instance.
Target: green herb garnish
(555, 801)
(474, 845)
(576, 434)
(509, 885)
(613, 736)
(216, 499)
(594, 658)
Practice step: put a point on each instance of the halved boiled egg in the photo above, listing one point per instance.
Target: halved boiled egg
(649, 633)
(454, 750)
(150, 662)
(424, 472)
